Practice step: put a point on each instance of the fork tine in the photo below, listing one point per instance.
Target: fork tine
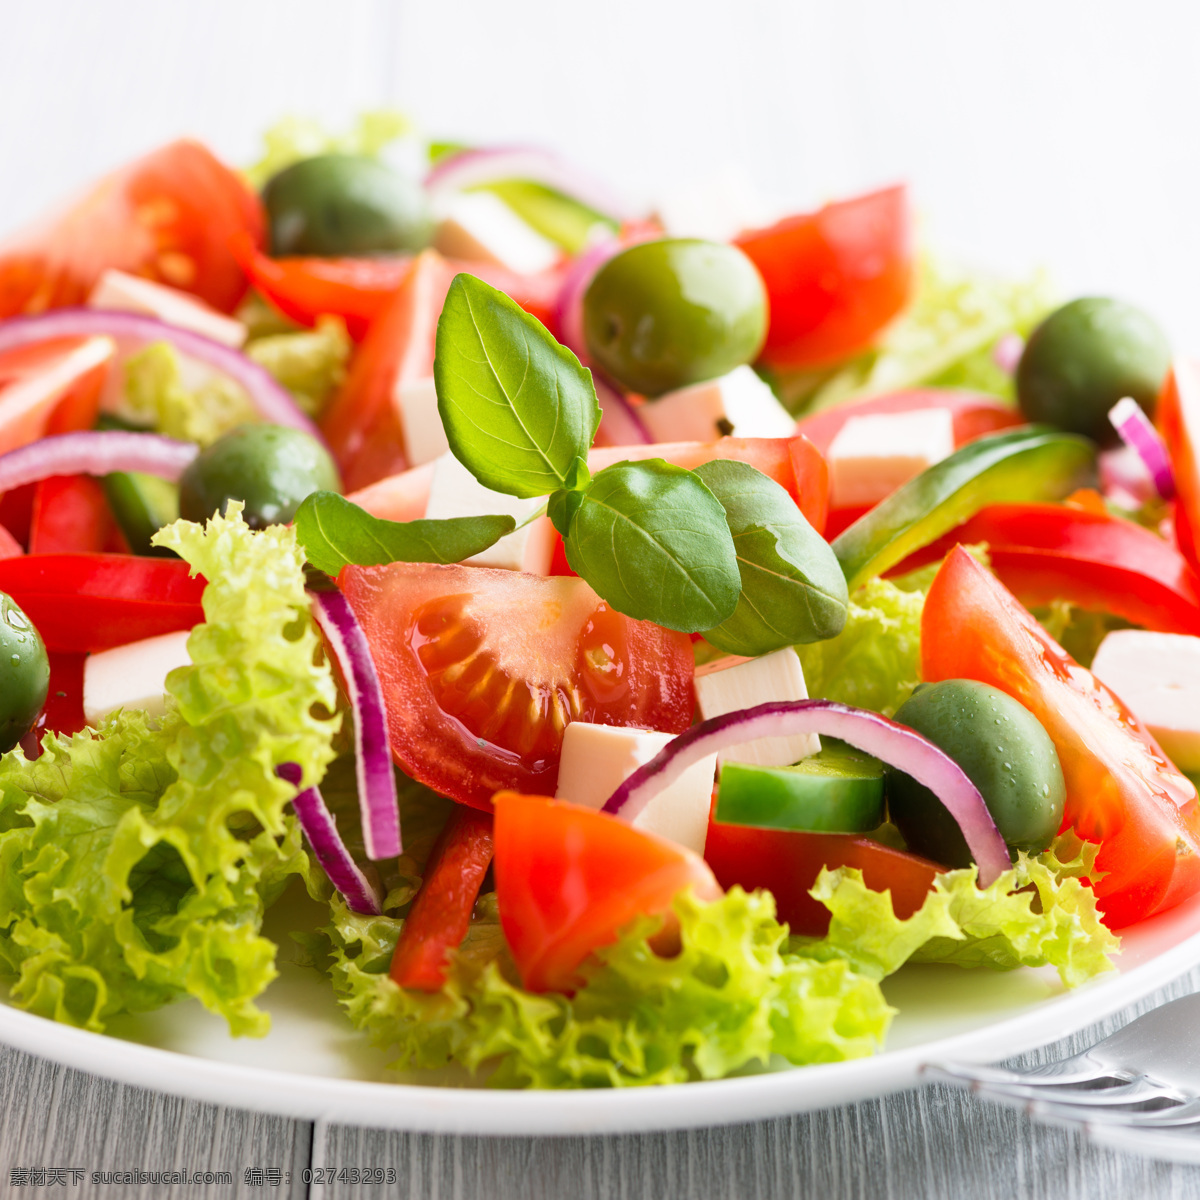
(1177, 1116)
(1136, 1091)
(1074, 1070)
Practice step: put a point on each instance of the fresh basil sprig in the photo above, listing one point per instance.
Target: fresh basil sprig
(792, 587)
(334, 532)
(517, 407)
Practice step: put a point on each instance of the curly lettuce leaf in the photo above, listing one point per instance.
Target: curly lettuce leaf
(945, 339)
(875, 661)
(294, 138)
(310, 363)
(136, 860)
(1040, 913)
(732, 999)
(182, 399)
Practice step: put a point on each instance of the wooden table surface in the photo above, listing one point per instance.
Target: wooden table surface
(1010, 123)
(934, 1142)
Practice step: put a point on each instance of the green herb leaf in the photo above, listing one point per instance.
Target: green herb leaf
(793, 589)
(333, 532)
(652, 540)
(518, 408)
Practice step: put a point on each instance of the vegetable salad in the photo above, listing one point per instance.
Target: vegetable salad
(643, 644)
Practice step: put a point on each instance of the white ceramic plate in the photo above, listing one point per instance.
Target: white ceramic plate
(314, 1065)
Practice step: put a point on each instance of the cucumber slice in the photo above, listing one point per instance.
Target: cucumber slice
(142, 505)
(839, 790)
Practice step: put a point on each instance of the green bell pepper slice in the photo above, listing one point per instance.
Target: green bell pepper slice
(1033, 463)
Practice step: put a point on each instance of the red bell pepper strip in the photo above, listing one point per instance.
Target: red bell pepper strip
(71, 516)
(9, 546)
(1045, 552)
(1178, 419)
(441, 913)
(787, 864)
(1122, 791)
(81, 603)
(63, 712)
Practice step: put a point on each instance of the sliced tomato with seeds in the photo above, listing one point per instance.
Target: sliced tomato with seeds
(482, 670)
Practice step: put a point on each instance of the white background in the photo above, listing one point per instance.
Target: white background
(1055, 132)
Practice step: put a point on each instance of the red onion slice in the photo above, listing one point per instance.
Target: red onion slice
(330, 851)
(95, 452)
(569, 306)
(1137, 432)
(372, 746)
(890, 742)
(620, 424)
(475, 168)
(271, 400)
(1006, 353)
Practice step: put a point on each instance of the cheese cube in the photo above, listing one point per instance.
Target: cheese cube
(874, 454)
(132, 676)
(415, 402)
(1157, 675)
(717, 208)
(455, 492)
(117, 291)
(479, 226)
(597, 759)
(739, 403)
(733, 682)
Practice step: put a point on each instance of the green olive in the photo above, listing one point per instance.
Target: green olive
(1086, 356)
(342, 204)
(1005, 753)
(24, 674)
(270, 467)
(664, 314)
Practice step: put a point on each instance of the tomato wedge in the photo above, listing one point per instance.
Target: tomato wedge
(71, 516)
(168, 216)
(82, 603)
(9, 546)
(441, 913)
(570, 879)
(362, 424)
(1121, 790)
(835, 277)
(482, 669)
(1178, 417)
(1045, 552)
(51, 387)
(974, 414)
(787, 864)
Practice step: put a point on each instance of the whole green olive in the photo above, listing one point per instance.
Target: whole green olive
(661, 315)
(271, 468)
(344, 204)
(24, 674)
(1005, 752)
(1086, 356)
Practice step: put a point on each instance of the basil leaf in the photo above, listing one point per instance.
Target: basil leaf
(517, 407)
(652, 541)
(334, 532)
(793, 589)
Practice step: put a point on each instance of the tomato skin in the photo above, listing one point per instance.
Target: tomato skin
(71, 516)
(1121, 790)
(835, 277)
(361, 424)
(9, 546)
(481, 670)
(1178, 418)
(167, 216)
(570, 879)
(441, 913)
(1045, 552)
(786, 863)
(974, 414)
(81, 603)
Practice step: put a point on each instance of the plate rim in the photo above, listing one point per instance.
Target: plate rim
(425, 1108)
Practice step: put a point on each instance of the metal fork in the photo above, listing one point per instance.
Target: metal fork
(1138, 1090)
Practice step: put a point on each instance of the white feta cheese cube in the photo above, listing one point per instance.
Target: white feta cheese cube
(117, 291)
(872, 455)
(1157, 675)
(455, 492)
(415, 402)
(717, 208)
(739, 403)
(733, 682)
(479, 226)
(132, 676)
(597, 759)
